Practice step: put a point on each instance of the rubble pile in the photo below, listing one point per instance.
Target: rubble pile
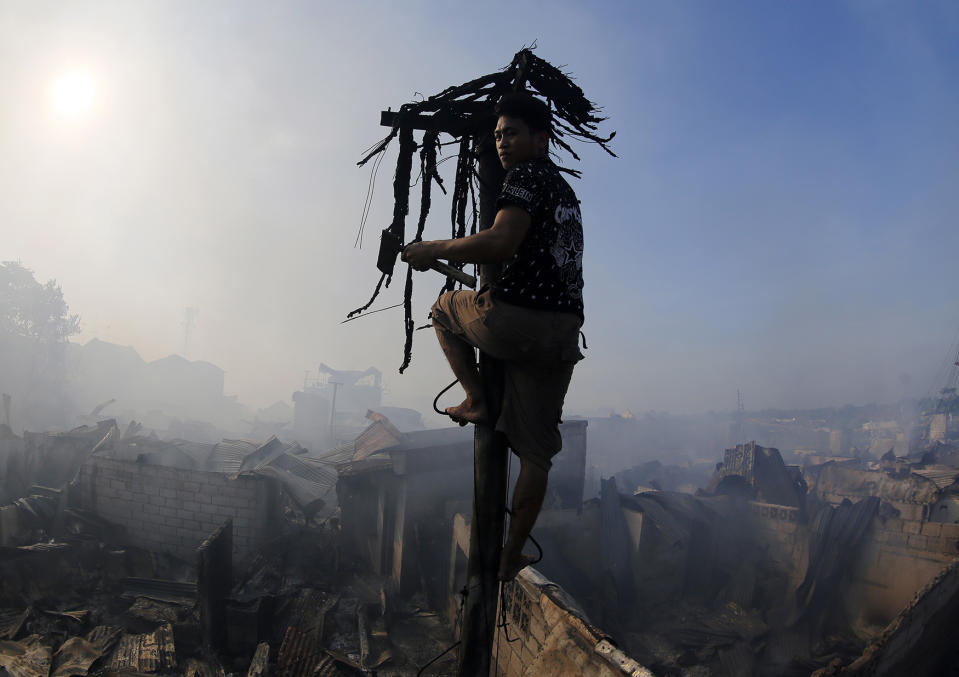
(772, 569)
(266, 558)
(77, 598)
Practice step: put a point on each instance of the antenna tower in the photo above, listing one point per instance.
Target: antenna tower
(739, 434)
(189, 320)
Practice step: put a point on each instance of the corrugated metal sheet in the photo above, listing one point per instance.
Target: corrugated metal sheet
(298, 654)
(77, 654)
(329, 667)
(198, 451)
(175, 592)
(943, 476)
(31, 657)
(227, 456)
(295, 449)
(364, 466)
(260, 665)
(152, 652)
(321, 474)
(263, 455)
(379, 435)
(11, 621)
(339, 454)
(304, 492)
(305, 482)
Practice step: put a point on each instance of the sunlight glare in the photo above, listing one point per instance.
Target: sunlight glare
(72, 94)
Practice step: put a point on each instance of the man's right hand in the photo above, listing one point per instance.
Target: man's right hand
(494, 245)
(419, 255)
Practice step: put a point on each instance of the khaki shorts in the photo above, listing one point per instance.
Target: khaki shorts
(538, 349)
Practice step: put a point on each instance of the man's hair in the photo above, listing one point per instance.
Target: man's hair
(527, 108)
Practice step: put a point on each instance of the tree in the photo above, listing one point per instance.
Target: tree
(32, 310)
(35, 324)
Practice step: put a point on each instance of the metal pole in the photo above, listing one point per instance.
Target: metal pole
(333, 411)
(489, 471)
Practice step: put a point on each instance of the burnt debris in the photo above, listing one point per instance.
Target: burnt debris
(124, 552)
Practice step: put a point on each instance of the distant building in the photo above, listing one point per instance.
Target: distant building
(331, 409)
(154, 392)
(885, 436)
(838, 442)
(939, 428)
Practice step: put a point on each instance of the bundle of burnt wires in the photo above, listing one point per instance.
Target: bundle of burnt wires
(468, 109)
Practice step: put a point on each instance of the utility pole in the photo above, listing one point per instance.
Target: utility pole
(490, 456)
(189, 320)
(335, 385)
(489, 447)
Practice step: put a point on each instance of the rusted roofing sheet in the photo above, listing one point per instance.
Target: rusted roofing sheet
(77, 654)
(152, 652)
(30, 657)
(260, 665)
(299, 655)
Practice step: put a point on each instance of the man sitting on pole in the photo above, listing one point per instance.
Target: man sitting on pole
(529, 317)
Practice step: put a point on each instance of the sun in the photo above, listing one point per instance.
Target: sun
(72, 94)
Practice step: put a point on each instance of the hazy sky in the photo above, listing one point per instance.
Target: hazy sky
(782, 218)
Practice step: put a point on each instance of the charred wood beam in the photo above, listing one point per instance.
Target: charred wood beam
(214, 560)
(456, 118)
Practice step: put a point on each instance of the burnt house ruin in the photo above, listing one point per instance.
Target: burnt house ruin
(121, 551)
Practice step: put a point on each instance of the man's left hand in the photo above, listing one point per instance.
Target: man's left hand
(419, 255)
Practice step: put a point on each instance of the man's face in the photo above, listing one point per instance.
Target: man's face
(515, 143)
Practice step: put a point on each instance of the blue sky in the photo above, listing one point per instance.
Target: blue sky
(780, 219)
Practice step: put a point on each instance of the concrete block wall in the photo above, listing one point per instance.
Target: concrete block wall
(898, 558)
(526, 623)
(545, 636)
(946, 509)
(907, 511)
(915, 639)
(778, 528)
(173, 510)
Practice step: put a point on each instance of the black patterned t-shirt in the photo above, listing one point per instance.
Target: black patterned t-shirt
(546, 272)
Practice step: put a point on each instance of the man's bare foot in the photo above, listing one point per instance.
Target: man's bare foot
(509, 570)
(468, 412)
